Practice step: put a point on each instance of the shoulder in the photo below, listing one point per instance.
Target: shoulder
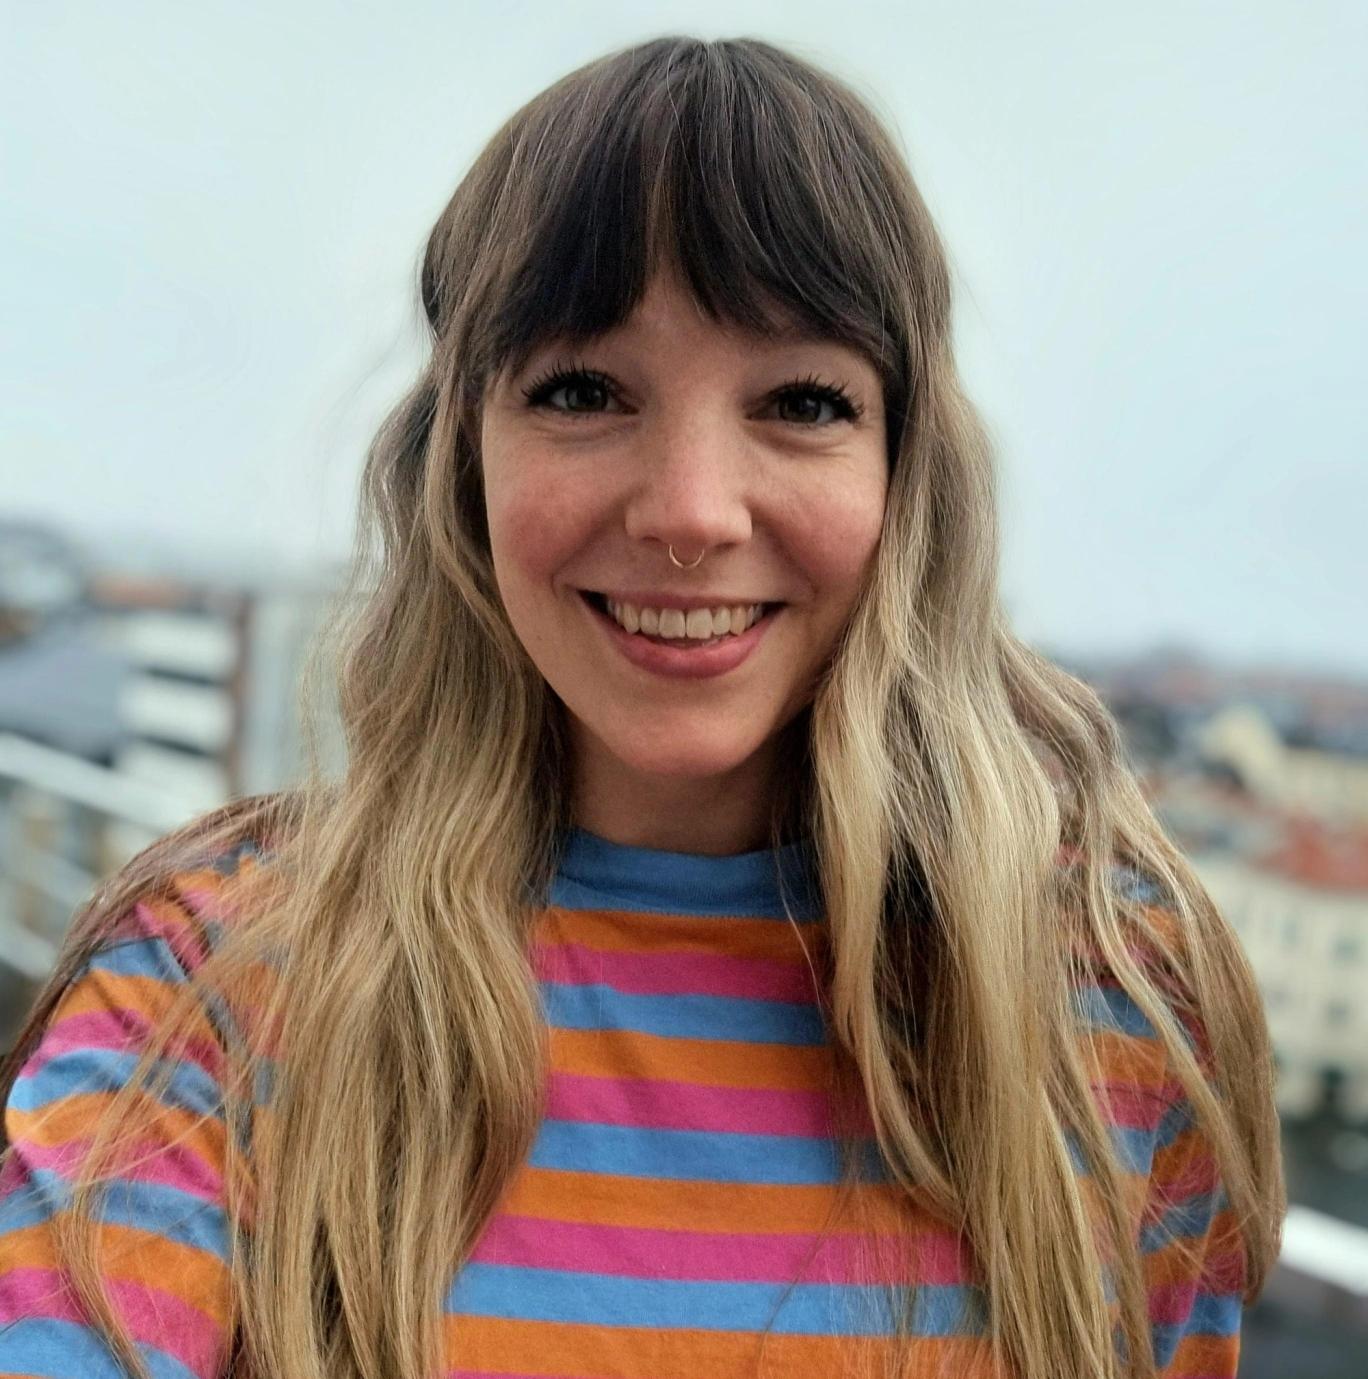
(183, 915)
(141, 940)
(1147, 925)
(183, 887)
(1132, 1059)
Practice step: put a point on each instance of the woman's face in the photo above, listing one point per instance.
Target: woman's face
(673, 430)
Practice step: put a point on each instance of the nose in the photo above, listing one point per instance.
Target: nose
(691, 489)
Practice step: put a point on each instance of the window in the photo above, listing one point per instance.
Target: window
(1346, 948)
(1337, 1014)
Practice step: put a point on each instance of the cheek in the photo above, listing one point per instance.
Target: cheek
(840, 534)
(535, 521)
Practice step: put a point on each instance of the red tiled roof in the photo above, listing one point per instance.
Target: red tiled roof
(1316, 855)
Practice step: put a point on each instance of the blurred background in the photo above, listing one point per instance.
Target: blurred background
(212, 220)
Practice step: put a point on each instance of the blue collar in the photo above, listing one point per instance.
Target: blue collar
(596, 874)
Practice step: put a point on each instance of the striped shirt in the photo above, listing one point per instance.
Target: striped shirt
(678, 1204)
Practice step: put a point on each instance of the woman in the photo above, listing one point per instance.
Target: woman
(729, 950)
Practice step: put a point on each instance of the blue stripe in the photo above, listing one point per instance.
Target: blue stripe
(1134, 1149)
(810, 1309)
(263, 1084)
(138, 957)
(227, 861)
(682, 1017)
(1130, 884)
(61, 1350)
(1179, 1117)
(1189, 1219)
(84, 1071)
(154, 959)
(152, 1207)
(692, 1155)
(596, 874)
(1210, 1316)
(1109, 1007)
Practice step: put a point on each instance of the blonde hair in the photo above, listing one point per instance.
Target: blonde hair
(941, 771)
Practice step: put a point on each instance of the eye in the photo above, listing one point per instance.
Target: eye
(586, 391)
(803, 401)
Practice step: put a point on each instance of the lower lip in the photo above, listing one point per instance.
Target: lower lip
(679, 662)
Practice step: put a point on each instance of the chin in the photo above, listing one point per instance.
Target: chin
(695, 755)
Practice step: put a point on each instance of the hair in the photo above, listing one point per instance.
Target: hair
(941, 770)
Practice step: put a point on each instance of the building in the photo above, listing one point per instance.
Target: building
(1327, 784)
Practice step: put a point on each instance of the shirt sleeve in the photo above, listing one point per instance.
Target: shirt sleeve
(1191, 1253)
(163, 1232)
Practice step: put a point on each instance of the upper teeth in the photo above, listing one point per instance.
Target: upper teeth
(699, 623)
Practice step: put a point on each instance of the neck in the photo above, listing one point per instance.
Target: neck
(718, 815)
(711, 815)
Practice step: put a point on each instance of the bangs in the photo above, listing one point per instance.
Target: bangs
(712, 160)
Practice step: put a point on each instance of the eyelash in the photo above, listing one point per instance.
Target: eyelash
(538, 392)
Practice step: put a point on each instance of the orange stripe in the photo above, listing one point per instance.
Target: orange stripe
(207, 879)
(1206, 1356)
(1122, 1057)
(165, 908)
(495, 1344)
(629, 932)
(150, 997)
(1165, 924)
(706, 1062)
(75, 1117)
(1177, 1160)
(1180, 1260)
(29, 1248)
(196, 1277)
(656, 1203)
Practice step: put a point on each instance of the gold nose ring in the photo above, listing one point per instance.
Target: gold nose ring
(682, 566)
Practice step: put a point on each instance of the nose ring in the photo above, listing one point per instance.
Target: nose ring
(675, 559)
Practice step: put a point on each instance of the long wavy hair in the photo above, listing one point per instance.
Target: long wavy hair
(968, 802)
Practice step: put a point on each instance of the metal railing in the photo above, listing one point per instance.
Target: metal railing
(65, 824)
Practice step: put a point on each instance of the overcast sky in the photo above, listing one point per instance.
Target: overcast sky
(212, 217)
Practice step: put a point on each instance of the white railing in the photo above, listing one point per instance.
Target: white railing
(59, 820)
(1327, 1248)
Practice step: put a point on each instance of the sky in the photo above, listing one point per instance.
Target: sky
(211, 218)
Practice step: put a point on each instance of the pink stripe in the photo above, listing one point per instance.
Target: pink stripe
(1223, 1272)
(143, 922)
(532, 1243)
(174, 1166)
(1198, 1176)
(1170, 1304)
(202, 898)
(121, 1030)
(154, 1318)
(676, 973)
(1130, 1106)
(13, 1174)
(660, 1105)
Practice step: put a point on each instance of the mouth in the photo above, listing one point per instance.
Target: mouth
(633, 625)
(687, 658)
